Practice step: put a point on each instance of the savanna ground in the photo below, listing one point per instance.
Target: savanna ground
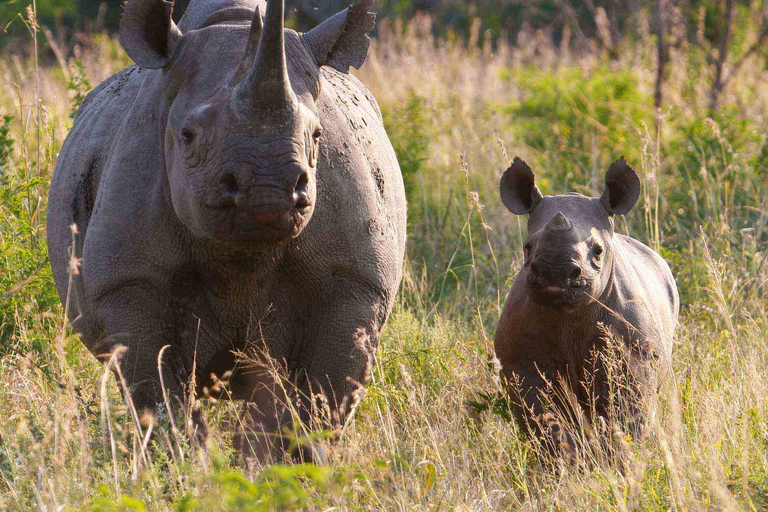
(433, 431)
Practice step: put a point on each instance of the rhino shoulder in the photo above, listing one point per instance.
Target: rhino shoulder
(518, 334)
(113, 87)
(358, 229)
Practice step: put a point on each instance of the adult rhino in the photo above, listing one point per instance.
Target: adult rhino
(580, 284)
(234, 189)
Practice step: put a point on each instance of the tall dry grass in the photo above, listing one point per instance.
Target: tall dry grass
(433, 432)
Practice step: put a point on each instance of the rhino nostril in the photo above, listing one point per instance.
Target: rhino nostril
(230, 191)
(576, 273)
(302, 181)
(300, 191)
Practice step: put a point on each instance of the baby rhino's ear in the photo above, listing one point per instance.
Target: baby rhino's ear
(518, 188)
(622, 188)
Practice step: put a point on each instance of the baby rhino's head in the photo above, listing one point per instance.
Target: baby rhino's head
(568, 253)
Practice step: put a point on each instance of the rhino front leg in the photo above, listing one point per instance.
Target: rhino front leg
(627, 387)
(336, 334)
(269, 398)
(139, 318)
(340, 347)
(546, 411)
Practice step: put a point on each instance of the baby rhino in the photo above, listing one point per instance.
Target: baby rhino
(588, 326)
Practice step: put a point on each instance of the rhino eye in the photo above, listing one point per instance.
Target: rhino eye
(187, 135)
(527, 250)
(314, 148)
(598, 250)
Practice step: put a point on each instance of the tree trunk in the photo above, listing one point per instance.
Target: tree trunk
(722, 56)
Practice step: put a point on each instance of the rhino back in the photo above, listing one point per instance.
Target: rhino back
(645, 294)
(200, 13)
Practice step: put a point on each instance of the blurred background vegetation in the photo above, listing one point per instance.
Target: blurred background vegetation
(606, 21)
(582, 25)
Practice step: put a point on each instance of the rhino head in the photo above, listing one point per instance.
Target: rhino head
(568, 256)
(242, 133)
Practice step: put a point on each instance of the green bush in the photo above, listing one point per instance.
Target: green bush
(409, 128)
(579, 121)
(26, 286)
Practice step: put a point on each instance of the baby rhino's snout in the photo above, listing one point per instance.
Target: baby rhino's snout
(567, 272)
(554, 278)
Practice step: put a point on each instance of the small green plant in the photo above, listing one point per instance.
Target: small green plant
(79, 85)
(24, 275)
(6, 147)
(495, 403)
(105, 501)
(6, 142)
(278, 488)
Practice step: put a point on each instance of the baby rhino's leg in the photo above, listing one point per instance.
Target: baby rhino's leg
(548, 410)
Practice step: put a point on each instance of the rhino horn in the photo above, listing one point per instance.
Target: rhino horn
(251, 48)
(559, 223)
(267, 85)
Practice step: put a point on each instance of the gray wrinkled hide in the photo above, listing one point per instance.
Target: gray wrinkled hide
(628, 289)
(316, 302)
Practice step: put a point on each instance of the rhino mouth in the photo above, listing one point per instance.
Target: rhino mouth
(557, 295)
(234, 211)
(269, 223)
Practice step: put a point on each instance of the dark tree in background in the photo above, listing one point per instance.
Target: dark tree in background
(505, 17)
(499, 16)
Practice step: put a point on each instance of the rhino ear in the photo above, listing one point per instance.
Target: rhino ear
(518, 188)
(622, 188)
(148, 33)
(342, 41)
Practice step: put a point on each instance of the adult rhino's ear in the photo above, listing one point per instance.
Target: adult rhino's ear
(342, 41)
(622, 188)
(518, 188)
(148, 33)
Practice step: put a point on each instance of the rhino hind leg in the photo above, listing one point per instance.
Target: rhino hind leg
(271, 427)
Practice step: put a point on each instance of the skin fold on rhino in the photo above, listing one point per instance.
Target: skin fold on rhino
(581, 286)
(234, 191)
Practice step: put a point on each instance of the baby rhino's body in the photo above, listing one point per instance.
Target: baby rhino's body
(582, 285)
